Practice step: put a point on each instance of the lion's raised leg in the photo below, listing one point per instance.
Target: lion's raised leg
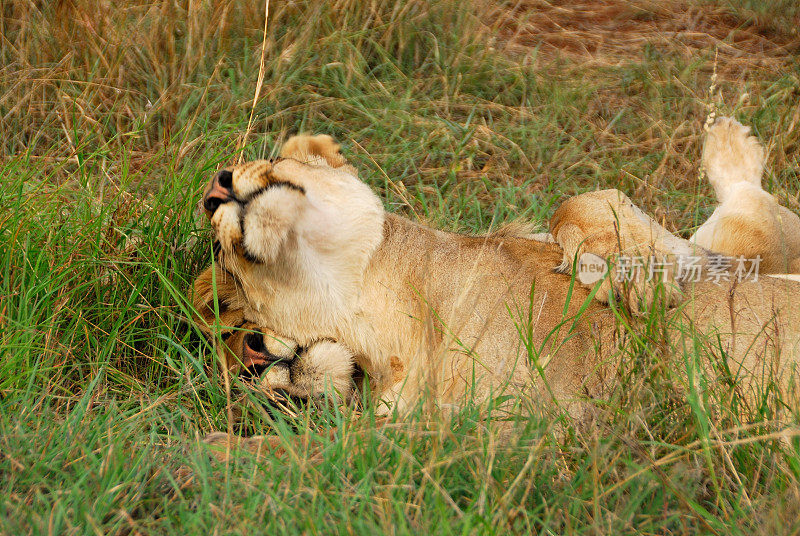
(749, 221)
(641, 254)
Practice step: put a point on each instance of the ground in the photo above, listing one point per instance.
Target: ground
(465, 115)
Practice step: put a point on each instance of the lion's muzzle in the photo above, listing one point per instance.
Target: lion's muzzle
(218, 191)
(255, 353)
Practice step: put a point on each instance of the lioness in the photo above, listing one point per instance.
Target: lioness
(314, 256)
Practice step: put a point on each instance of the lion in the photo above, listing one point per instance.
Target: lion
(315, 257)
(748, 221)
(606, 224)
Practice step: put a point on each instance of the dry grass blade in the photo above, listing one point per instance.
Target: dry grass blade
(259, 83)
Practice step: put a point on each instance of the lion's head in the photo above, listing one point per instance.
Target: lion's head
(305, 216)
(267, 360)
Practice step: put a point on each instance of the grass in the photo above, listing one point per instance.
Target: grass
(464, 115)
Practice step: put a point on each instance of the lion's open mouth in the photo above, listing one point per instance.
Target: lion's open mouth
(267, 367)
(289, 375)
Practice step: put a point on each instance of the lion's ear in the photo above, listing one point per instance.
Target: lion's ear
(228, 298)
(317, 150)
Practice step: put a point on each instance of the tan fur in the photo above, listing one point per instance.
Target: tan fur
(230, 300)
(310, 149)
(327, 262)
(320, 259)
(751, 329)
(321, 368)
(753, 322)
(608, 224)
(748, 221)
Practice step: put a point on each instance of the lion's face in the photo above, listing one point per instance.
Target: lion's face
(263, 358)
(234, 198)
(278, 365)
(297, 233)
(261, 208)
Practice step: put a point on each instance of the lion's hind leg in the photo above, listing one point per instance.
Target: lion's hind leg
(641, 255)
(732, 155)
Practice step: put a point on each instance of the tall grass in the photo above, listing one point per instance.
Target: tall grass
(464, 115)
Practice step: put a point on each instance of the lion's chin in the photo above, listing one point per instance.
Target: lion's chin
(275, 383)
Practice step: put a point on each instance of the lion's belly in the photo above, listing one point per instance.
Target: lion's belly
(483, 333)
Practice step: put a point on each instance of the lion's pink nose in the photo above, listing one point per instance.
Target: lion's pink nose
(219, 191)
(255, 352)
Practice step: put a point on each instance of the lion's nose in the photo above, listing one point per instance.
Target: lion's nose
(255, 353)
(219, 191)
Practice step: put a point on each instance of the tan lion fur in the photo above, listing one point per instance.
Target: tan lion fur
(608, 224)
(310, 149)
(748, 221)
(317, 257)
(323, 367)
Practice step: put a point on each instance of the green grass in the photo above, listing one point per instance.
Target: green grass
(111, 121)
